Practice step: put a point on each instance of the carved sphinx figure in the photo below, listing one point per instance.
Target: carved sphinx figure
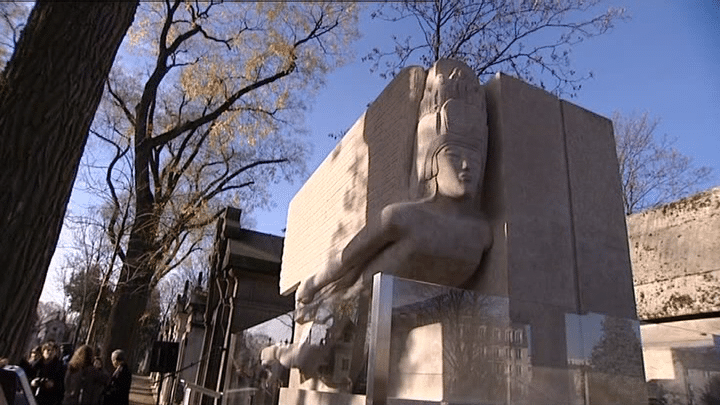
(439, 236)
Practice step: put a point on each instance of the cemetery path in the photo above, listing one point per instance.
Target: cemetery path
(141, 391)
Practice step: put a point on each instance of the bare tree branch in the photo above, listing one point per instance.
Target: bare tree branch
(493, 35)
(653, 172)
(221, 100)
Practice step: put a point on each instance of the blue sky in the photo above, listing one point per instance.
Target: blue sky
(664, 60)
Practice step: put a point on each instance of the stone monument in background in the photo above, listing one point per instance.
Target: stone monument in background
(505, 198)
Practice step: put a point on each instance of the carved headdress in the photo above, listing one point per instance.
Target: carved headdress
(452, 111)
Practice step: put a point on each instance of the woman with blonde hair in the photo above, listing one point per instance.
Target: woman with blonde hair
(84, 383)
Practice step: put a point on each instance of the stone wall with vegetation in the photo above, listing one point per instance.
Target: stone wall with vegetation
(675, 251)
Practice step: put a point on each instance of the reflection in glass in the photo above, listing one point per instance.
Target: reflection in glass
(248, 381)
(605, 358)
(682, 361)
(455, 345)
(460, 347)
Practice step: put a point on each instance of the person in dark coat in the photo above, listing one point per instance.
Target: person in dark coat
(84, 383)
(49, 376)
(118, 391)
(29, 364)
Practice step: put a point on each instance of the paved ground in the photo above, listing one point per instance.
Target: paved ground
(141, 391)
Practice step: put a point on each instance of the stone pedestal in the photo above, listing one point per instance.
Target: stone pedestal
(303, 396)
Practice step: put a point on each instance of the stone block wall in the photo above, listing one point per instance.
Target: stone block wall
(676, 254)
(553, 197)
(327, 211)
(367, 170)
(559, 238)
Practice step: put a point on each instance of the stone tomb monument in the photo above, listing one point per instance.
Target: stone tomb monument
(507, 201)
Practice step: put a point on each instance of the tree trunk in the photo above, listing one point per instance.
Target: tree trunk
(49, 93)
(133, 290)
(123, 326)
(132, 293)
(104, 287)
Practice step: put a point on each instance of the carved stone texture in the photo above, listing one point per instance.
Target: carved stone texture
(367, 170)
(432, 231)
(440, 235)
(408, 190)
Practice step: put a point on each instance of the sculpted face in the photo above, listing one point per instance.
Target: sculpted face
(459, 171)
(452, 113)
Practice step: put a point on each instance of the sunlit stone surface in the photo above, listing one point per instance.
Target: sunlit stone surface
(516, 195)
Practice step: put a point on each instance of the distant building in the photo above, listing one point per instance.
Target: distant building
(50, 327)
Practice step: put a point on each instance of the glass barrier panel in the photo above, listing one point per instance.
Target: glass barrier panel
(682, 361)
(248, 381)
(430, 344)
(448, 345)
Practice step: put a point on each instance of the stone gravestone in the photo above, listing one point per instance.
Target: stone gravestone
(503, 190)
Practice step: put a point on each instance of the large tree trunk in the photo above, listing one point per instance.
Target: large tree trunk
(131, 300)
(49, 93)
(133, 290)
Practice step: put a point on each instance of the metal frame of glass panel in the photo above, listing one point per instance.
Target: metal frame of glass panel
(380, 328)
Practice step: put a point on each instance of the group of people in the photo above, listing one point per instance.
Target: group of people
(82, 381)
